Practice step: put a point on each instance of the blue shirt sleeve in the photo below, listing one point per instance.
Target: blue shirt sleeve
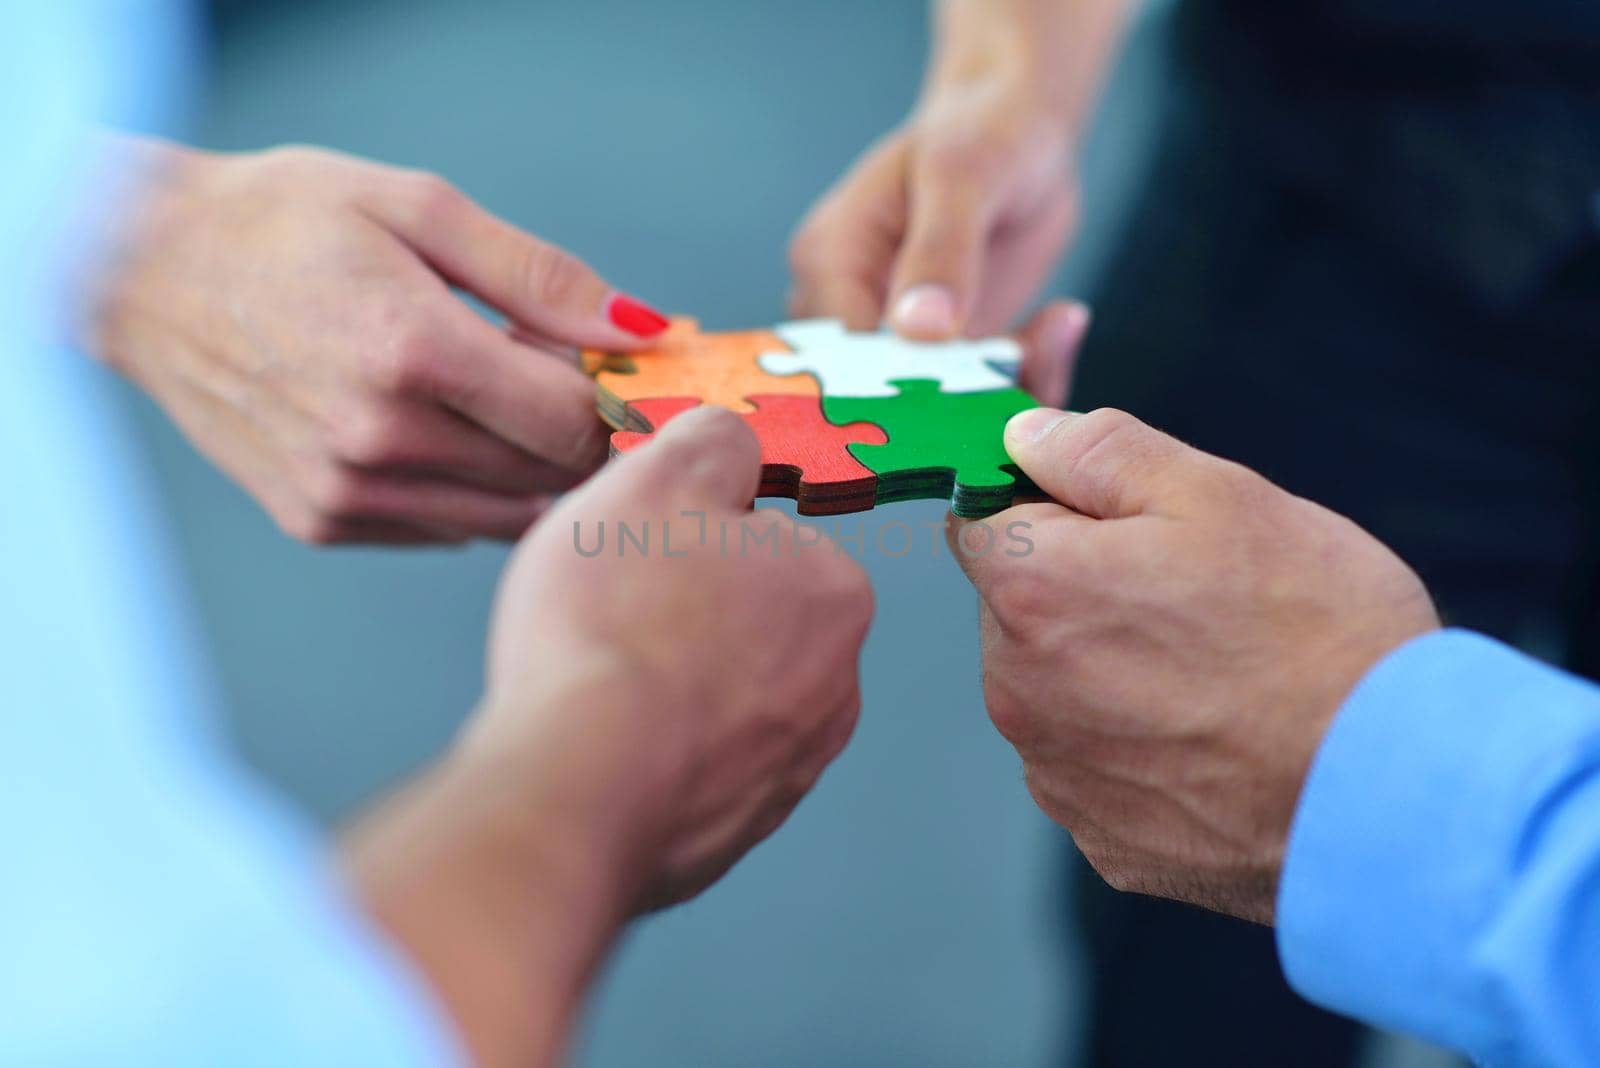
(1443, 872)
(157, 906)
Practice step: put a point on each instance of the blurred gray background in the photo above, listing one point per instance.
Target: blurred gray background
(908, 914)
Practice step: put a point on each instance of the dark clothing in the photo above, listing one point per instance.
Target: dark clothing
(1367, 264)
(1460, 135)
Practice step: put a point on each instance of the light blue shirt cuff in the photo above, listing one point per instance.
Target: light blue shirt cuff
(1434, 879)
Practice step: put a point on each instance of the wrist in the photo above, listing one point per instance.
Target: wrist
(507, 898)
(155, 179)
(1004, 63)
(575, 753)
(1048, 56)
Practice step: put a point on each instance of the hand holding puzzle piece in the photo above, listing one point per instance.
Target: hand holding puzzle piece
(846, 421)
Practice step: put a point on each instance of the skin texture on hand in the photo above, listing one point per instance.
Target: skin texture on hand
(292, 310)
(650, 716)
(952, 223)
(1169, 655)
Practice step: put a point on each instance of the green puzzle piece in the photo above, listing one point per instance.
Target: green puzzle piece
(940, 444)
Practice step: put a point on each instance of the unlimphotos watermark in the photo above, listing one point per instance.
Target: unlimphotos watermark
(750, 534)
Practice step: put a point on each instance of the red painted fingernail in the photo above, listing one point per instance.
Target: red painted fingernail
(634, 316)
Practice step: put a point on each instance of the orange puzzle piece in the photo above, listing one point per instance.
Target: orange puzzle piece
(803, 456)
(717, 368)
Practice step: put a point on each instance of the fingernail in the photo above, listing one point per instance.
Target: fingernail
(1034, 423)
(1080, 315)
(635, 316)
(1075, 323)
(926, 311)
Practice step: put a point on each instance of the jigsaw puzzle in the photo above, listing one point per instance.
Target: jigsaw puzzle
(846, 420)
(865, 365)
(803, 455)
(719, 369)
(941, 444)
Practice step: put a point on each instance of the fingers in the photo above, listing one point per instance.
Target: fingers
(1004, 543)
(422, 439)
(362, 532)
(348, 505)
(937, 274)
(705, 459)
(531, 281)
(843, 253)
(856, 302)
(539, 404)
(446, 507)
(1050, 343)
(1019, 259)
(1109, 465)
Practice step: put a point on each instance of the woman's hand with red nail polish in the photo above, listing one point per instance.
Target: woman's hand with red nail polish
(634, 316)
(293, 312)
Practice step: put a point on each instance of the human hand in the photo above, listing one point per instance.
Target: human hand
(1168, 655)
(952, 224)
(650, 716)
(292, 311)
(735, 637)
(949, 225)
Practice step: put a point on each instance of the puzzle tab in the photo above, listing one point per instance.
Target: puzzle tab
(803, 456)
(941, 444)
(719, 369)
(866, 364)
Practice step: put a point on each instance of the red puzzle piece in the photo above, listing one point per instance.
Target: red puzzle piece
(803, 456)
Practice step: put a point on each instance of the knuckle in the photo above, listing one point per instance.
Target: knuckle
(1021, 600)
(430, 199)
(806, 248)
(842, 727)
(1111, 858)
(789, 793)
(1106, 425)
(373, 437)
(842, 585)
(336, 492)
(551, 275)
(1108, 446)
(1247, 492)
(763, 519)
(310, 527)
(407, 360)
(851, 584)
(1011, 716)
(1116, 875)
(297, 159)
(962, 158)
(940, 249)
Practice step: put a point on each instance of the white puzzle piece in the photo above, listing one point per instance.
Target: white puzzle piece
(863, 365)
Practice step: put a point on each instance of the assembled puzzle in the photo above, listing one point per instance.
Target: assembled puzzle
(846, 420)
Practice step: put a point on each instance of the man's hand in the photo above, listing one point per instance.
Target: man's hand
(292, 311)
(651, 714)
(1168, 655)
(735, 633)
(953, 223)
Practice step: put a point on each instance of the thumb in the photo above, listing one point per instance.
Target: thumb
(1109, 465)
(534, 283)
(936, 276)
(706, 459)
